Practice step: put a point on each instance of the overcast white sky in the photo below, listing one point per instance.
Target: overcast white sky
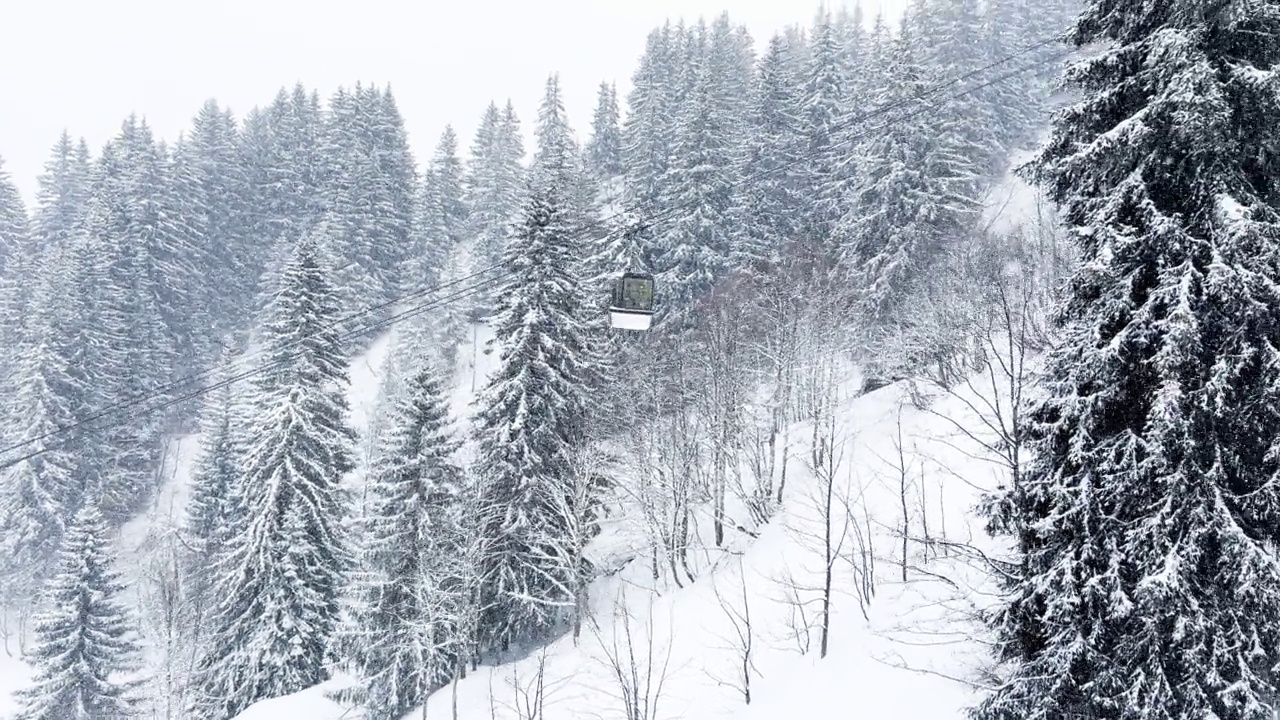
(86, 64)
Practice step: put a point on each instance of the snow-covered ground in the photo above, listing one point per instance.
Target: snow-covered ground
(903, 654)
(905, 659)
(1013, 202)
(14, 674)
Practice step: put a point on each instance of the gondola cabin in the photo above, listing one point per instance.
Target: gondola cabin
(632, 305)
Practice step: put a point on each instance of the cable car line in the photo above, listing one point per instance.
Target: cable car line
(411, 312)
(640, 290)
(633, 295)
(190, 379)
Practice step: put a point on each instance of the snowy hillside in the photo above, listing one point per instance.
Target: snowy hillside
(901, 660)
(905, 651)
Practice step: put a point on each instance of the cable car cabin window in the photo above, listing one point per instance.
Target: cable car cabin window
(635, 293)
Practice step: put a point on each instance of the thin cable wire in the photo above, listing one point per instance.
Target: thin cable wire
(412, 312)
(656, 218)
(191, 379)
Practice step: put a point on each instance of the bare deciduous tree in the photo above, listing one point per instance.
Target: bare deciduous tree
(639, 675)
(825, 462)
(737, 610)
(165, 618)
(532, 696)
(577, 512)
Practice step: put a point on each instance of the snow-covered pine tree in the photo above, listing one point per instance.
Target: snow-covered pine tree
(914, 195)
(604, 150)
(556, 161)
(649, 125)
(440, 243)
(84, 638)
(393, 219)
(488, 218)
(204, 311)
(494, 186)
(511, 141)
(731, 61)
(71, 299)
(604, 175)
(167, 250)
(851, 30)
(38, 495)
(825, 164)
(773, 197)
(369, 182)
(282, 153)
(62, 195)
(694, 247)
(14, 225)
(130, 316)
(15, 248)
(1048, 18)
(214, 179)
(1146, 583)
(211, 509)
(523, 463)
(404, 601)
(61, 203)
(1017, 104)
(689, 55)
(287, 559)
(450, 204)
(949, 39)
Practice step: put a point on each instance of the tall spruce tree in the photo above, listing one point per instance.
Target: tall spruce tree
(133, 301)
(14, 224)
(441, 244)
(493, 188)
(284, 158)
(213, 178)
(288, 556)
(1016, 106)
(489, 214)
(211, 510)
(369, 182)
(84, 636)
(650, 123)
(442, 220)
(532, 417)
(62, 195)
(557, 161)
(825, 157)
(401, 628)
(693, 254)
(62, 198)
(38, 494)
(15, 248)
(914, 196)
(604, 150)
(950, 41)
(1146, 583)
(773, 198)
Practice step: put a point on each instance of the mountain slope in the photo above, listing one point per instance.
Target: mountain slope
(898, 662)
